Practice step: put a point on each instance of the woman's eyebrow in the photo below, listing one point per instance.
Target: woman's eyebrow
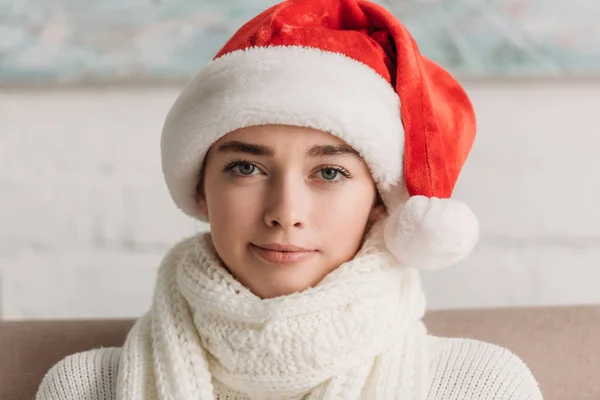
(331, 150)
(236, 146)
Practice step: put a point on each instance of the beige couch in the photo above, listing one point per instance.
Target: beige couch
(560, 344)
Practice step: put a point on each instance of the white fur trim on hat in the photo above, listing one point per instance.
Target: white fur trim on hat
(431, 233)
(285, 85)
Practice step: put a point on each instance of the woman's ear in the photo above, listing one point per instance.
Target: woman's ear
(377, 212)
(202, 206)
(201, 203)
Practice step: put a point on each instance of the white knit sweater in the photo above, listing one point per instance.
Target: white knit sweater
(207, 336)
(461, 369)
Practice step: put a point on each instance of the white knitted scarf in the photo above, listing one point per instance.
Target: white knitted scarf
(358, 334)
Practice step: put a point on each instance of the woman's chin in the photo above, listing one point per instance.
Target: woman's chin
(281, 285)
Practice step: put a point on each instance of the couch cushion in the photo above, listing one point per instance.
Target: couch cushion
(29, 348)
(561, 345)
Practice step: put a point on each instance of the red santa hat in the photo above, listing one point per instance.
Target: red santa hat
(350, 68)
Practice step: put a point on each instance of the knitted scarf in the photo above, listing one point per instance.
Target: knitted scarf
(358, 334)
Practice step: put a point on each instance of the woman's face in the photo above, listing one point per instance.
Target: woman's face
(271, 188)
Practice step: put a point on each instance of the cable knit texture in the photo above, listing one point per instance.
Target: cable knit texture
(461, 369)
(358, 334)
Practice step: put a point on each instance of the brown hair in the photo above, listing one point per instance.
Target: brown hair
(200, 184)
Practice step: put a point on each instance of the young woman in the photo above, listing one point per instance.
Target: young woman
(322, 148)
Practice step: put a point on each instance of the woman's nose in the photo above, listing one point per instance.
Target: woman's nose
(288, 204)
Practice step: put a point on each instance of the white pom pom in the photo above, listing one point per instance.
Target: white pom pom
(431, 233)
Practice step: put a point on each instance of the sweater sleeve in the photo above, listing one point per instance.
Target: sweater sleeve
(467, 369)
(89, 375)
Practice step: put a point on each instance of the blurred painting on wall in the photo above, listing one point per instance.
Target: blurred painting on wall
(77, 41)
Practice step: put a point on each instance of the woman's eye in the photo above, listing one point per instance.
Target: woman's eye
(329, 174)
(244, 168)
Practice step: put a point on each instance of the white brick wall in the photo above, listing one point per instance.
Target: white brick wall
(85, 217)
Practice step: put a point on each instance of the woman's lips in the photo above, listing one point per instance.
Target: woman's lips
(283, 257)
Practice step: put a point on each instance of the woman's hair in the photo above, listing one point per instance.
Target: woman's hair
(200, 184)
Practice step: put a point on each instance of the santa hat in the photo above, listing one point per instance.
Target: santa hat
(350, 68)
